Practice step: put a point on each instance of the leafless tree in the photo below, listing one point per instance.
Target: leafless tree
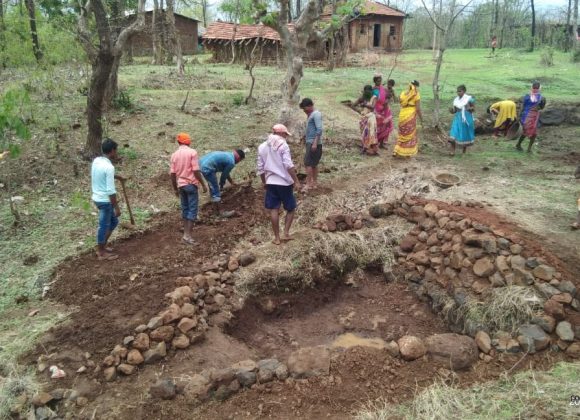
(110, 47)
(455, 10)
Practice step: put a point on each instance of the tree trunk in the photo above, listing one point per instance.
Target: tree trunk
(34, 34)
(235, 31)
(95, 101)
(158, 55)
(298, 8)
(574, 38)
(434, 47)
(503, 24)
(533, 29)
(435, 86)
(174, 37)
(204, 12)
(112, 88)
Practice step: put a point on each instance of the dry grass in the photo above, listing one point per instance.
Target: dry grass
(528, 394)
(506, 309)
(16, 383)
(315, 256)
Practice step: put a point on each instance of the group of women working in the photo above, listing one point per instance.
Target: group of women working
(376, 123)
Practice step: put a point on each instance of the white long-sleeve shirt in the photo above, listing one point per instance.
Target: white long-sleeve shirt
(274, 161)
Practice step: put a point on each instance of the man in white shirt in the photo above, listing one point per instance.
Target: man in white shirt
(278, 176)
(105, 197)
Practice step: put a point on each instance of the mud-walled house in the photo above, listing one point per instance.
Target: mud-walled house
(141, 44)
(377, 28)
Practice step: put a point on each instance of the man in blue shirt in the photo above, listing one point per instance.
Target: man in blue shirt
(222, 162)
(313, 137)
(105, 197)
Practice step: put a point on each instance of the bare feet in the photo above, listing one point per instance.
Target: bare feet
(575, 226)
(109, 249)
(276, 241)
(287, 238)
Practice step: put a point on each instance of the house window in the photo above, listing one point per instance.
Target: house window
(392, 30)
(363, 29)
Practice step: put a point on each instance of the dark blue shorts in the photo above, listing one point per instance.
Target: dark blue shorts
(280, 194)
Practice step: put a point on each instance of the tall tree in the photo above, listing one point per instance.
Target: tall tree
(575, 43)
(30, 7)
(156, 38)
(109, 46)
(444, 29)
(174, 37)
(533, 28)
(568, 30)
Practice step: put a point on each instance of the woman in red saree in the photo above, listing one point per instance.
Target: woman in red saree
(382, 111)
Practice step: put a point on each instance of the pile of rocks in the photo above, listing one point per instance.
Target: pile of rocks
(342, 221)
(222, 383)
(451, 258)
(182, 324)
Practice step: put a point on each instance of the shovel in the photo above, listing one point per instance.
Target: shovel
(132, 225)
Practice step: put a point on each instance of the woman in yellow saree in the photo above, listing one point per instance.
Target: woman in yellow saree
(407, 142)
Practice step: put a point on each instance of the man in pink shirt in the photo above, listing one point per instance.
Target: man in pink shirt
(185, 177)
(278, 176)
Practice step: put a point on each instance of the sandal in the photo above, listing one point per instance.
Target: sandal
(188, 241)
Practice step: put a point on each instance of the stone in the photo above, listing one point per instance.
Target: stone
(473, 253)
(532, 263)
(173, 313)
(567, 286)
(247, 258)
(564, 331)
(517, 261)
(164, 333)
(497, 280)
(128, 340)
(282, 372)
(546, 322)
(222, 376)
(456, 351)
(111, 360)
(502, 264)
(479, 286)
(141, 342)
(544, 272)
(483, 267)
(392, 348)
(197, 388)
(245, 366)
(223, 393)
(140, 328)
(417, 214)
(431, 209)
(563, 298)
(233, 264)
(573, 350)
(523, 277)
(156, 354)
(267, 370)
(126, 369)
(555, 309)
(442, 222)
(309, 361)
(456, 259)
(180, 342)
(134, 357)
(110, 374)
(503, 243)
(178, 295)
(42, 413)
(188, 310)
(575, 305)
(411, 347)
(41, 398)
(155, 322)
(184, 325)
(432, 240)
(119, 351)
(483, 342)
(547, 290)
(423, 236)
(516, 249)
(535, 338)
(164, 389)
(246, 378)
(220, 299)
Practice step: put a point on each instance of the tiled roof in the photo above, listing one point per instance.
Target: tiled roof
(225, 30)
(369, 8)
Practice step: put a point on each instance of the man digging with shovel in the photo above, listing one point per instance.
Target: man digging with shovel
(105, 197)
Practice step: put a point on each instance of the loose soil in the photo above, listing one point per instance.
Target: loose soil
(110, 304)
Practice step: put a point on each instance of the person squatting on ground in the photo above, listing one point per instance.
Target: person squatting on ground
(505, 112)
(185, 178)
(532, 104)
(105, 197)
(279, 179)
(462, 128)
(313, 138)
(223, 163)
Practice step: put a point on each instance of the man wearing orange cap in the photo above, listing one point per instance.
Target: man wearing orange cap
(279, 178)
(185, 178)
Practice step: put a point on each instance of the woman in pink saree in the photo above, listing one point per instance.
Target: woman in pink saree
(382, 111)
